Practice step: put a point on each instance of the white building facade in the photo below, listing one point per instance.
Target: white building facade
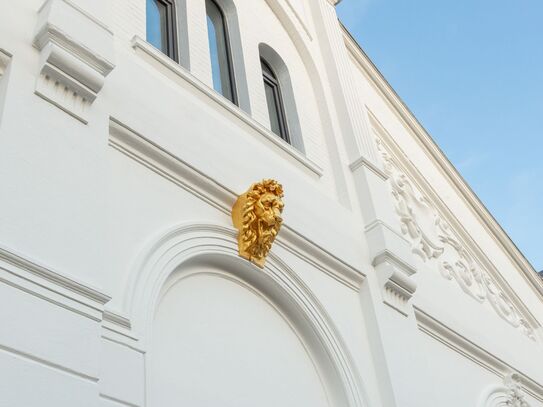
(128, 128)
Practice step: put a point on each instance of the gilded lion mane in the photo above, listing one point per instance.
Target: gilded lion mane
(255, 240)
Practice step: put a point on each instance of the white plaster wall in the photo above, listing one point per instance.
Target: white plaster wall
(474, 319)
(423, 164)
(51, 165)
(217, 342)
(82, 217)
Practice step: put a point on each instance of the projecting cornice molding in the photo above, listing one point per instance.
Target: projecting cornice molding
(441, 161)
(482, 357)
(42, 282)
(5, 57)
(76, 56)
(172, 168)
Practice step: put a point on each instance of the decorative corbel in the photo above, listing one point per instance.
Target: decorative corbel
(76, 56)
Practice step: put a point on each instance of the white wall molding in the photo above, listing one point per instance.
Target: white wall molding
(470, 350)
(397, 286)
(364, 162)
(392, 262)
(172, 168)
(162, 62)
(117, 328)
(5, 58)
(48, 364)
(508, 394)
(441, 162)
(291, 14)
(438, 239)
(42, 282)
(162, 263)
(76, 56)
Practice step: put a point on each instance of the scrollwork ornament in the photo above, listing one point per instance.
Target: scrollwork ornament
(434, 240)
(514, 391)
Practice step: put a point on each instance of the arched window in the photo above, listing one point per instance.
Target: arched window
(278, 94)
(160, 26)
(276, 108)
(219, 48)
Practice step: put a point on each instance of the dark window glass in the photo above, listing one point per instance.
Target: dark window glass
(161, 32)
(276, 110)
(219, 48)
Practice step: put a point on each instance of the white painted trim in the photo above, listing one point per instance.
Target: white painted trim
(281, 13)
(50, 33)
(48, 364)
(441, 161)
(71, 74)
(29, 276)
(172, 168)
(364, 162)
(209, 245)
(404, 164)
(166, 63)
(117, 401)
(468, 349)
(83, 12)
(5, 57)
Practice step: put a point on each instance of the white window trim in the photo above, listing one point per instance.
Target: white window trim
(165, 62)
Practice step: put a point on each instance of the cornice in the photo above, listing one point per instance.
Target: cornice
(468, 349)
(27, 275)
(442, 162)
(172, 168)
(5, 57)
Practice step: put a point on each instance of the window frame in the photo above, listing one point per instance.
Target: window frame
(171, 29)
(228, 52)
(273, 81)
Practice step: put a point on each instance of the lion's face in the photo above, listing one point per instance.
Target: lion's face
(268, 209)
(261, 220)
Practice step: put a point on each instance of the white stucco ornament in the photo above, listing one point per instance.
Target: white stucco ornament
(510, 394)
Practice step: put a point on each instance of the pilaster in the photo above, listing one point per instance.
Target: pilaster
(390, 252)
(385, 299)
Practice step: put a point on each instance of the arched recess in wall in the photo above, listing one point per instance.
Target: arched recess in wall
(276, 63)
(198, 307)
(235, 51)
(301, 42)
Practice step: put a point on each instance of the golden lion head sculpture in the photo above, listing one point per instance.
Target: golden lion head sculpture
(257, 216)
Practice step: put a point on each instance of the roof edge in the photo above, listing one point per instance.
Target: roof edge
(534, 278)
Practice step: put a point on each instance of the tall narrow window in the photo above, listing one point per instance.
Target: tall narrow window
(276, 108)
(219, 48)
(161, 31)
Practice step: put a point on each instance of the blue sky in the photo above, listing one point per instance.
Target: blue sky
(472, 73)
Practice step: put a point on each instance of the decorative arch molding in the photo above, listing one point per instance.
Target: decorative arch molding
(302, 43)
(508, 394)
(174, 256)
